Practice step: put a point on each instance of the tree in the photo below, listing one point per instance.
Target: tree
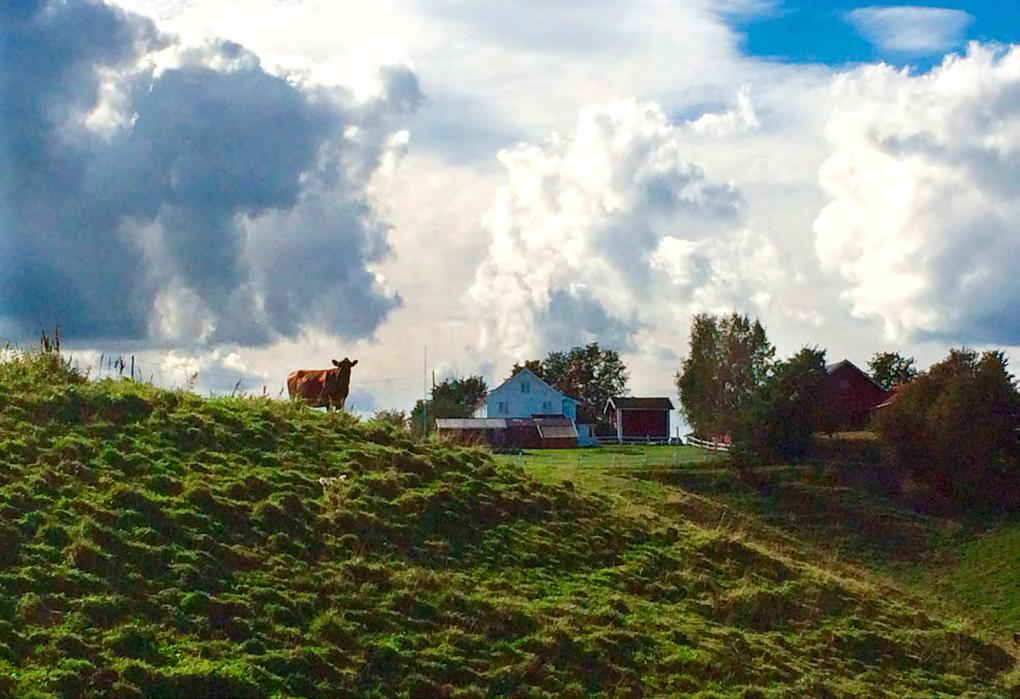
(728, 362)
(787, 410)
(454, 397)
(532, 365)
(589, 373)
(891, 368)
(953, 428)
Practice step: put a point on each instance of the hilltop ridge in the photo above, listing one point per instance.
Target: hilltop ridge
(156, 543)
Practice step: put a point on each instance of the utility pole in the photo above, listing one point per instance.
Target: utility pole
(424, 395)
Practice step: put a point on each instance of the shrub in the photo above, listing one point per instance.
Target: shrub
(953, 429)
(785, 413)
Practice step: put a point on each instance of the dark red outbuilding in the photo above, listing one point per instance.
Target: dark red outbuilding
(639, 418)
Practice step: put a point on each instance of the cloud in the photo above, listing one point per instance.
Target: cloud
(607, 231)
(910, 29)
(178, 194)
(740, 118)
(924, 199)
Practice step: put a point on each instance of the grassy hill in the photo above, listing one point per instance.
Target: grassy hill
(850, 514)
(155, 543)
(968, 566)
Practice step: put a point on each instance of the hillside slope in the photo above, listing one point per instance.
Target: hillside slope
(156, 543)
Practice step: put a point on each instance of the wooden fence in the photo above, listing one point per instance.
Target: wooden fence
(637, 440)
(705, 444)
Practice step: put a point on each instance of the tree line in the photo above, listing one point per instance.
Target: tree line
(953, 429)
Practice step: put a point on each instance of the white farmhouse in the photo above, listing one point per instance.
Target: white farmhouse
(524, 395)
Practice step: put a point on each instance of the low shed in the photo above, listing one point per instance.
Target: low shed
(539, 432)
(491, 430)
(639, 418)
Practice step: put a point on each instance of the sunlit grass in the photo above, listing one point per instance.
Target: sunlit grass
(155, 543)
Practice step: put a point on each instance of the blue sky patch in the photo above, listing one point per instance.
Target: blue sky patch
(840, 32)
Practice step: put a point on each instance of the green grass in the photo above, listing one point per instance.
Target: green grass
(159, 544)
(981, 573)
(968, 572)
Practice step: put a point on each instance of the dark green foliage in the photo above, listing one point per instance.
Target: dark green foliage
(200, 548)
(788, 409)
(589, 373)
(728, 361)
(891, 368)
(454, 397)
(954, 429)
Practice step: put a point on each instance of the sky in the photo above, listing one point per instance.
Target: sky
(229, 191)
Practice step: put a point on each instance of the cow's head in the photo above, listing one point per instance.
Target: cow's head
(345, 365)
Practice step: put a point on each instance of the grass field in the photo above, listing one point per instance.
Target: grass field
(970, 573)
(156, 543)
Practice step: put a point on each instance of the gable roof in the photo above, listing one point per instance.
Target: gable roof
(835, 366)
(626, 403)
(537, 378)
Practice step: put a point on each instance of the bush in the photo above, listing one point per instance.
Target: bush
(786, 411)
(953, 429)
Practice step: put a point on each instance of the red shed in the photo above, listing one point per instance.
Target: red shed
(639, 418)
(851, 395)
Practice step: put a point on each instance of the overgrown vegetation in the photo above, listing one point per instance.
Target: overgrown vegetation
(954, 430)
(158, 544)
(785, 412)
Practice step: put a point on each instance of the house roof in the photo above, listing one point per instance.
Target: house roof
(537, 378)
(470, 423)
(832, 368)
(627, 403)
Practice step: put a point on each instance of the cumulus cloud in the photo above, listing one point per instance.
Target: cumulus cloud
(607, 231)
(169, 193)
(739, 119)
(924, 198)
(911, 29)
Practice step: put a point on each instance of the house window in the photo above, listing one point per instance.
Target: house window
(503, 409)
(525, 388)
(844, 385)
(546, 406)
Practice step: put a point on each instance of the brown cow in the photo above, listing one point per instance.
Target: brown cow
(322, 387)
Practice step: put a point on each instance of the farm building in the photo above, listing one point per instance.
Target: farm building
(891, 396)
(538, 432)
(851, 395)
(524, 395)
(639, 418)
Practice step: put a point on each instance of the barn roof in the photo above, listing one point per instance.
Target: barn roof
(622, 403)
(832, 368)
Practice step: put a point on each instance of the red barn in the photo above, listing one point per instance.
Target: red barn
(851, 395)
(639, 418)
